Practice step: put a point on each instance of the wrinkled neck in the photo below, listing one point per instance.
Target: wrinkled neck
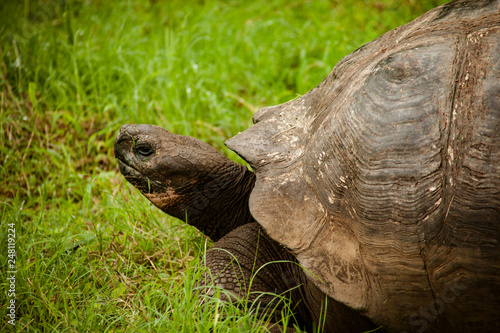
(219, 204)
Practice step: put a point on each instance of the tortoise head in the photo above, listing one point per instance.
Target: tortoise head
(165, 167)
(183, 176)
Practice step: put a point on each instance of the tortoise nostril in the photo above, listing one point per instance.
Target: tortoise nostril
(124, 129)
(121, 138)
(123, 133)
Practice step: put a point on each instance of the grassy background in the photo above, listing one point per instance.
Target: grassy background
(92, 253)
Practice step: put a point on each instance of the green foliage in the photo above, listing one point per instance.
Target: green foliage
(92, 254)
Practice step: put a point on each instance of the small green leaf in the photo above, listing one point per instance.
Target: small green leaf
(32, 94)
(118, 291)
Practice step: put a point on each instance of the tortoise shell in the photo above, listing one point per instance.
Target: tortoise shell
(384, 180)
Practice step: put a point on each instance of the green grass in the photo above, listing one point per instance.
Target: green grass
(92, 254)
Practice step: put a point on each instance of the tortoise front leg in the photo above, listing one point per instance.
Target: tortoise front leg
(249, 265)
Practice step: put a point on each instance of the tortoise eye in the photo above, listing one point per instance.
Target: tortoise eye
(144, 150)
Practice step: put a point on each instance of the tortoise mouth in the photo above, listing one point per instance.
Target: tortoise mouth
(142, 182)
(126, 168)
(131, 174)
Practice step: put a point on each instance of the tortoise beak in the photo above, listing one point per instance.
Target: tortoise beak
(123, 148)
(122, 142)
(123, 152)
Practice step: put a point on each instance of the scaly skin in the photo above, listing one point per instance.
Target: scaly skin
(248, 262)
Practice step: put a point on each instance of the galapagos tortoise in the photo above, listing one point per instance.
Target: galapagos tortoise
(383, 183)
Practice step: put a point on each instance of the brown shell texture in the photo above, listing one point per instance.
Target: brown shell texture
(384, 180)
